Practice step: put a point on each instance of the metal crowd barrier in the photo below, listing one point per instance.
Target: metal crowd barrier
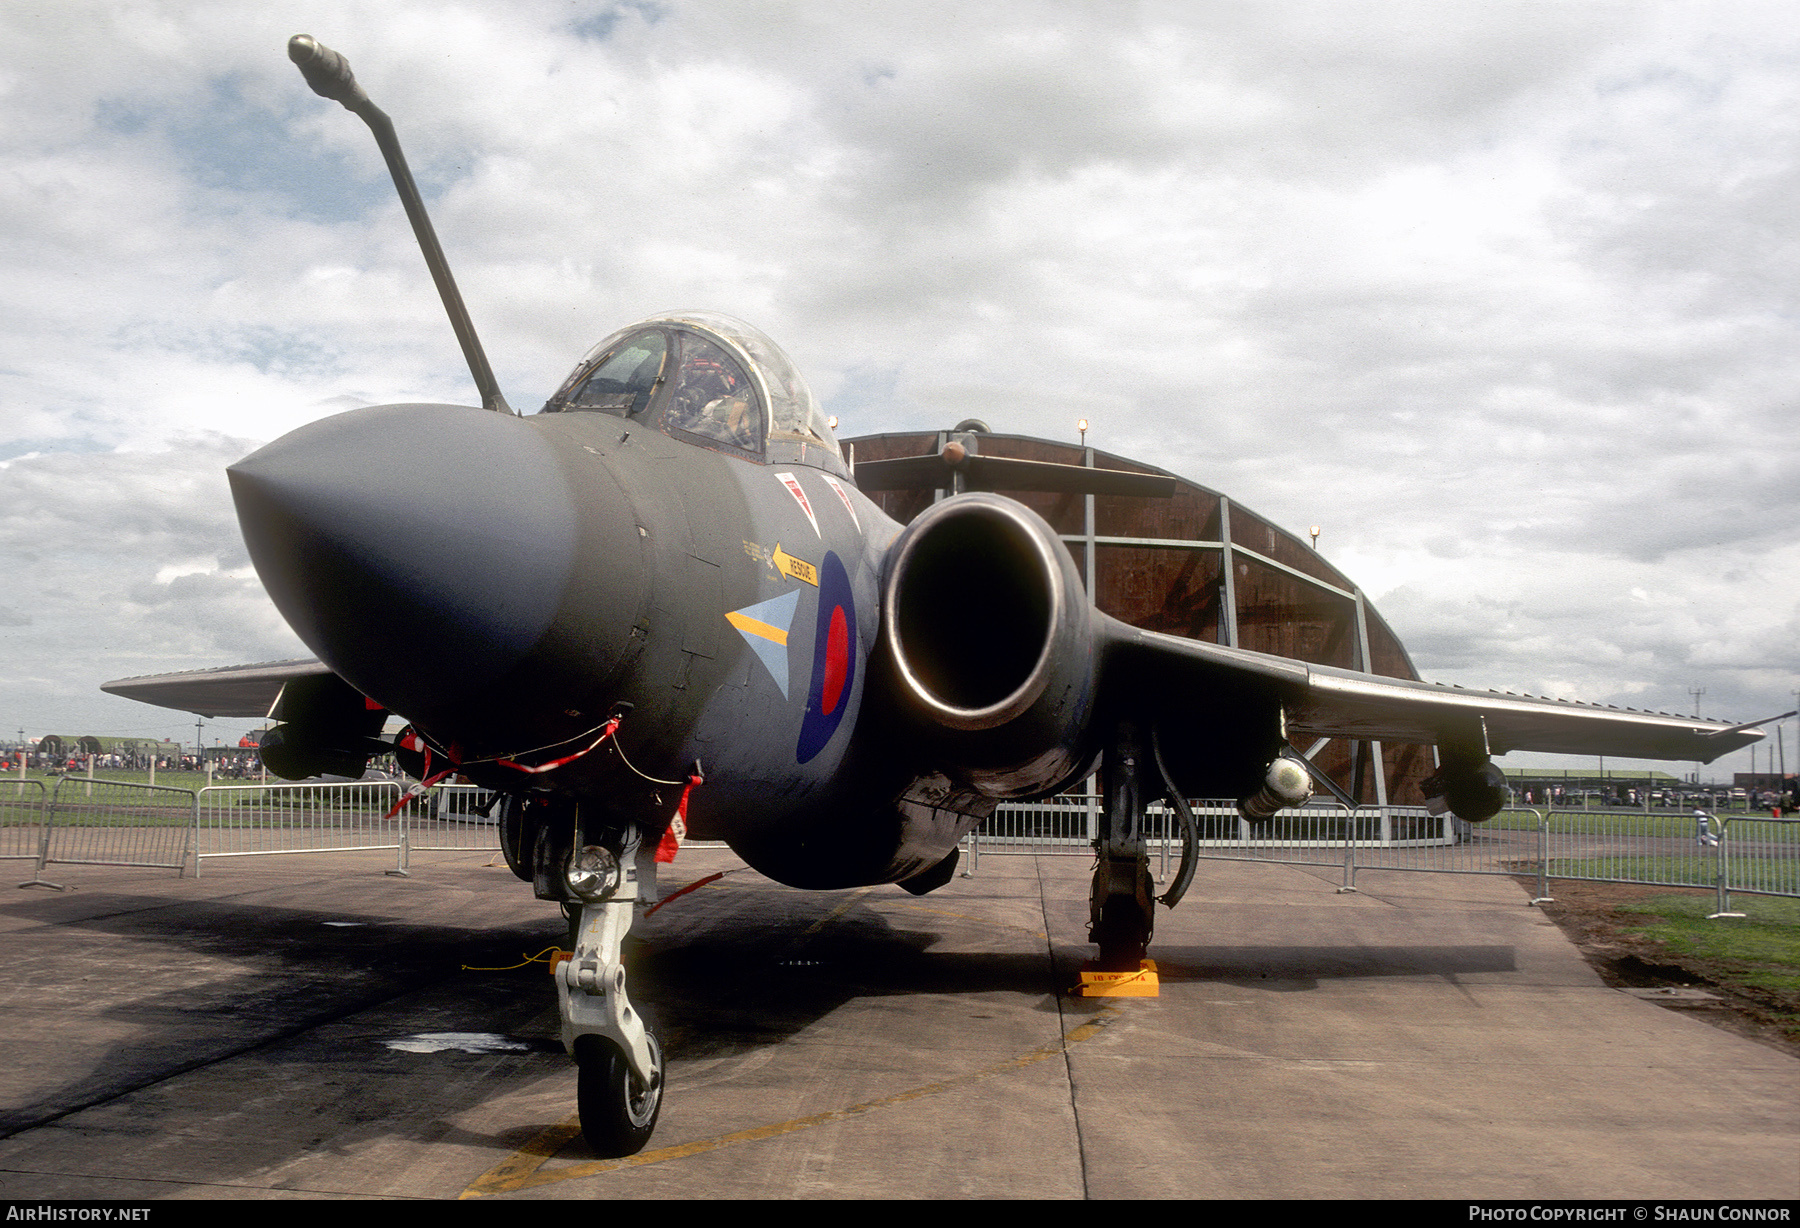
(106, 822)
(1743, 853)
(118, 823)
(259, 820)
(22, 830)
(453, 822)
(1737, 853)
(1758, 856)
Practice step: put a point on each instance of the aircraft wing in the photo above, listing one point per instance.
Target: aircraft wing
(230, 690)
(1326, 702)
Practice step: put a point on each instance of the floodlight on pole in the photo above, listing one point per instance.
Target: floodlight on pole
(1696, 692)
(1081, 425)
(1314, 530)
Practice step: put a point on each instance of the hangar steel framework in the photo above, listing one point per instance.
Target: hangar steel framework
(1200, 565)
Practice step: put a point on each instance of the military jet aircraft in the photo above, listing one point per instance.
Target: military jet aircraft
(666, 591)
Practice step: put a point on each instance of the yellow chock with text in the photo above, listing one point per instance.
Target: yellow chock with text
(1139, 984)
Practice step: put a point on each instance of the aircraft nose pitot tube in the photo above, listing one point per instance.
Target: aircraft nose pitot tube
(432, 556)
(992, 639)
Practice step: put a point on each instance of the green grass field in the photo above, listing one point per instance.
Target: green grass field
(1747, 873)
(1761, 948)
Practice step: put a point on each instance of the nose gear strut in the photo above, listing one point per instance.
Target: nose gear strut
(620, 1059)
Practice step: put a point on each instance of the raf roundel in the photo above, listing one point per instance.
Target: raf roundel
(834, 660)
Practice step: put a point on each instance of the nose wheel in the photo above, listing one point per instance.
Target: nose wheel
(618, 1110)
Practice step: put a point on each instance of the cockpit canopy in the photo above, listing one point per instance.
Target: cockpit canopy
(706, 378)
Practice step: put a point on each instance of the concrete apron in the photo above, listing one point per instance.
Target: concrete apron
(305, 1027)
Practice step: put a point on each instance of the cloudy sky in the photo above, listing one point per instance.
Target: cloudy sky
(1501, 296)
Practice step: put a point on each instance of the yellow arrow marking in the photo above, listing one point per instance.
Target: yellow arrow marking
(799, 569)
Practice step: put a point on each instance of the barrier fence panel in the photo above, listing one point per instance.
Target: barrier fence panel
(260, 820)
(117, 823)
(1760, 856)
(1629, 847)
(1417, 840)
(1062, 824)
(452, 821)
(1738, 853)
(22, 820)
(1399, 838)
(1309, 834)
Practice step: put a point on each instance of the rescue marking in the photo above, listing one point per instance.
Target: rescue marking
(799, 569)
(520, 1171)
(793, 484)
(765, 627)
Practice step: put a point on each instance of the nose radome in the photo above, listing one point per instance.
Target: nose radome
(421, 550)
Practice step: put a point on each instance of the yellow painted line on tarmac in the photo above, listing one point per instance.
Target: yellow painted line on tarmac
(833, 915)
(522, 1170)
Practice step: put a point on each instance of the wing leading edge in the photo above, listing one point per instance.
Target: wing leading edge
(1324, 701)
(230, 690)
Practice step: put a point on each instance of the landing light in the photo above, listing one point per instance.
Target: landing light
(593, 873)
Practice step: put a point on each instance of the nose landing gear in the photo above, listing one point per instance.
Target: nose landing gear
(619, 1059)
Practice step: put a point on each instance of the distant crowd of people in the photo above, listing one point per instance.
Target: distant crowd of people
(1785, 799)
(236, 766)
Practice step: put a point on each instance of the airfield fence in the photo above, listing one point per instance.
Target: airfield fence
(104, 822)
(120, 823)
(1740, 853)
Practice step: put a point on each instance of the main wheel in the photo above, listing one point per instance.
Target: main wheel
(618, 1114)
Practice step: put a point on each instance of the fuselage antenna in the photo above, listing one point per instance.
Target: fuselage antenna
(330, 77)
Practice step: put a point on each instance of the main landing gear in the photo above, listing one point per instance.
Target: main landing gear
(1122, 913)
(1121, 908)
(620, 1059)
